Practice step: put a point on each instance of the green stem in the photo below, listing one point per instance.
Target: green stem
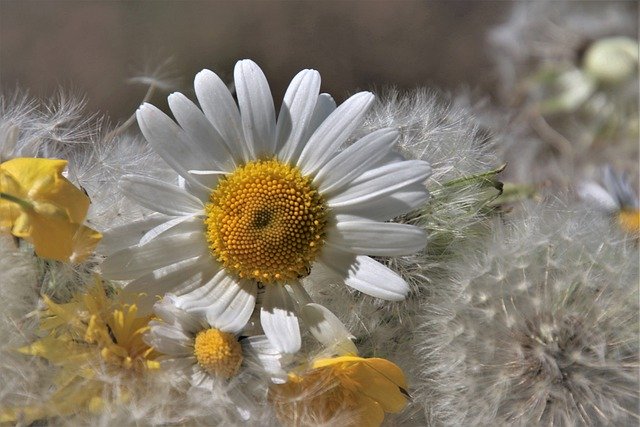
(25, 204)
(483, 175)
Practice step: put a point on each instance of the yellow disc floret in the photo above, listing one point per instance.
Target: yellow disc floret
(266, 221)
(219, 353)
(629, 220)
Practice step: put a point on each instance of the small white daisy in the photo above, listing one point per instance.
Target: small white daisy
(210, 353)
(262, 200)
(615, 198)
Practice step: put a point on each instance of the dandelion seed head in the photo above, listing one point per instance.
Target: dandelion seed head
(539, 327)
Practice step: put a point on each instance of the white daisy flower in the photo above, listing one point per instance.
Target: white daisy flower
(263, 200)
(615, 198)
(211, 353)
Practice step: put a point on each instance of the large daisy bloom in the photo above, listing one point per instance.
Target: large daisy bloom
(262, 200)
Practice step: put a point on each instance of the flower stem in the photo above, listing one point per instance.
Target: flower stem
(485, 176)
(25, 204)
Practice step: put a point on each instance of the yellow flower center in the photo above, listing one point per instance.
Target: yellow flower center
(629, 220)
(266, 221)
(219, 353)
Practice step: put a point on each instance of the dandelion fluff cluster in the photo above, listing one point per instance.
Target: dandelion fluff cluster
(539, 327)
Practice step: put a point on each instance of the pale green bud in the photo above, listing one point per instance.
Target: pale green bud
(612, 60)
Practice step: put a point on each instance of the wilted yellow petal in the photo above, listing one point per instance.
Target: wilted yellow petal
(321, 363)
(382, 381)
(84, 242)
(43, 207)
(41, 179)
(356, 390)
(370, 412)
(51, 235)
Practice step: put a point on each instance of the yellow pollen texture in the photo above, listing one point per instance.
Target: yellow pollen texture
(219, 353)
(266, 222)
(629, 220)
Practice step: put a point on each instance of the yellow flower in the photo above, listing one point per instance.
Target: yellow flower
(359, 389)
(41, 206)
(89, 339)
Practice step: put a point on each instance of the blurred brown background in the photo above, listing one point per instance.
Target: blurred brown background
(93, 47)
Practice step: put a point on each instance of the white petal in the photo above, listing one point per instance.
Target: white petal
(202, 135)
(160, 196)
(226, 302)
(377, 238)
(136, 261)
(595, 194)
(243, 404)
(168, 140)
(354, 160)
(381, 182)
(279, 320)
(178, 278)
(296, 113)
(328, 329)
(167, 310)
(179, 369)
(221, 110)
(169, 340)
(237, 313)
(333, 132)
(200, 298)
(324, 107)
(365, 274)
(381, 209)
(117, 238)
(256, 110)
(259, 351)
(181, 224)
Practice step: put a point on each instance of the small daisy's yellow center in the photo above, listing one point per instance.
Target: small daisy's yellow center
(219, 353)
(266, 221)
(629, 220)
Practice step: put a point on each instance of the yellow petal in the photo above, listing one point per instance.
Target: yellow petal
(382, 381)
(84, 242)
(51, 235)
(42, 179)
(321, 363)
(54, 209)
(9, 211)
(370, 412)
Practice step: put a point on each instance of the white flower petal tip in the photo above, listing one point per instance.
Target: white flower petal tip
(296, 114)
(257, 112)
(328, 329)
(333, 132)
(279, 320)
(593, 193)
(226, 303)
(262, 352)
(366, 275)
